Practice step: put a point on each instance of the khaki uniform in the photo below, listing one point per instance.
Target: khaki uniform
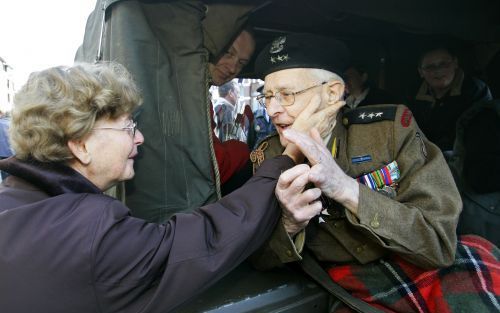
(417, 221)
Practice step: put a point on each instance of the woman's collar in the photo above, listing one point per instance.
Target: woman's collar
(53, 178)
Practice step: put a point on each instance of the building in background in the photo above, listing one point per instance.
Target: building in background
(7, 87)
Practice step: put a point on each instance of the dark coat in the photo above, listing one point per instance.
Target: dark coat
(475, 164)
(66, 247)
(438, 117)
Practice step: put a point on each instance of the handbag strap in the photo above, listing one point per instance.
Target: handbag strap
(313, 269)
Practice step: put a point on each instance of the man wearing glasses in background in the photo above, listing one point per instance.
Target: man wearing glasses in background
(444, 95)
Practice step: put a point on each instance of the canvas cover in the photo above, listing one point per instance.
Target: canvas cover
(167, 45)
(162, 45)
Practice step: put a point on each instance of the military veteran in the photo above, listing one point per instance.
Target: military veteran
(67, 247)
(390, 207)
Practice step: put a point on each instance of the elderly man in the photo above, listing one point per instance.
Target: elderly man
(390, 207)
(446, 92)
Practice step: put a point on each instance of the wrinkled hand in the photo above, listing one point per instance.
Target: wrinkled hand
(298, 205)
(324, 119)
(325, 172)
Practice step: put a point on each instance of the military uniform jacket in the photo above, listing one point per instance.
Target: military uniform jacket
(417, 220)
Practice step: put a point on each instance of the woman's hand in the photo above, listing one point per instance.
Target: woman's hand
(325, 172)
(298, 205)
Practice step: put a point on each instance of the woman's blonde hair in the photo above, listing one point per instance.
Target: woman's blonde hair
(63, 103)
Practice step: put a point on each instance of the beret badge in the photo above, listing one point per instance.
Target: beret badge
(277, 45)
(302, 50)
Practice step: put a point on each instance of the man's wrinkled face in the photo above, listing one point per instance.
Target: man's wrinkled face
(233, 61)
(438, 69)
(290, 81)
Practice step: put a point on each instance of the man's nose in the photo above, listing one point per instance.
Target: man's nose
(274, 107)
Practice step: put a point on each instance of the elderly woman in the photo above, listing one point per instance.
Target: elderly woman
(67, 247)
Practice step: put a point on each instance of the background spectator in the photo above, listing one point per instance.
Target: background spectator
(361, 90)
(224, 108)
(445, 93)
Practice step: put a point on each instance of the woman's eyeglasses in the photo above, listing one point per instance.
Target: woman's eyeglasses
(131, 129)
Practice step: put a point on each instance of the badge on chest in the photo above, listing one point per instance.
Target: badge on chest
(383, 180)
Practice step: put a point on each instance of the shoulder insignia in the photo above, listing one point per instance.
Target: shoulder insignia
(258, 156)
(406, 118)
(366, 115)
(422, 145)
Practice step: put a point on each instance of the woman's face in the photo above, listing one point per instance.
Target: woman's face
(112, 147)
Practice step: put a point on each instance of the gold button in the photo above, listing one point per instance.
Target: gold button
(374, 224)
(360, 249)
(345, 121)
(289, 253)
(337, 224)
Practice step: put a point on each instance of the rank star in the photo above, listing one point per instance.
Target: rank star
(283, 57)
(379, 114)
(362, 115)
(371, 115)
(273, 60)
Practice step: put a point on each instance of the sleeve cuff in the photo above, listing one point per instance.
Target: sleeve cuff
(285, 247)
(272, 168)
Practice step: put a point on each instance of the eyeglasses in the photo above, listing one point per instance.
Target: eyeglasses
(131, 129)
(284, 98)
(437, 66)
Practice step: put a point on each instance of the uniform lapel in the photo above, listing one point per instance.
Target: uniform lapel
(339, 134)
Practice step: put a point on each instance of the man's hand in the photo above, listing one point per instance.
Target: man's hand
(325, 172)
(324, 119)
(298, 205)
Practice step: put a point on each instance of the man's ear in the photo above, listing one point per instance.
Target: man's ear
(335, 89)
(80, 151)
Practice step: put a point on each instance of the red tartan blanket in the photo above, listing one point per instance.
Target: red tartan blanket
(471, 284)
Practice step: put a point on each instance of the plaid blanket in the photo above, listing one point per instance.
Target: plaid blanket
(471, 284)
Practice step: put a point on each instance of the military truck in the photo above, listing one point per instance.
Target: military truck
(167, 45)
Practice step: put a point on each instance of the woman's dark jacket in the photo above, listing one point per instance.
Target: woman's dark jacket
(65, 247)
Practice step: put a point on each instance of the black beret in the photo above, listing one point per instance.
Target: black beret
(303, 51)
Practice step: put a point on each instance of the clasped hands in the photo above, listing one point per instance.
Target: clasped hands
(299, 205)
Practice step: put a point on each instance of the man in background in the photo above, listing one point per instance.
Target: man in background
(233, 60)
(224, 109)
(446, 92)
(232, 155)
(361, 91)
